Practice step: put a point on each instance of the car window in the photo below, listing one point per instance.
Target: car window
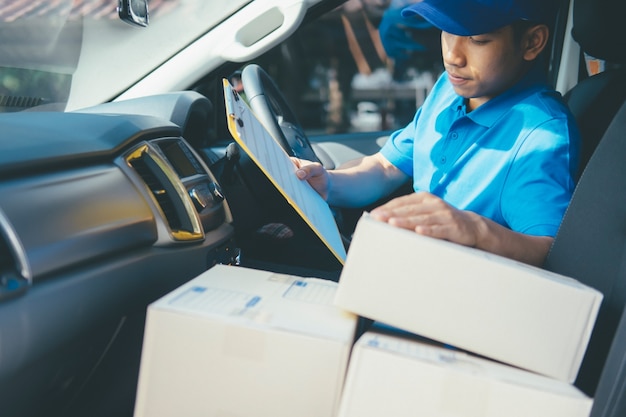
(68, 54)
(361, 67)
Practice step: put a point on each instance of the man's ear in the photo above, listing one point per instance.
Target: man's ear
(534, 41)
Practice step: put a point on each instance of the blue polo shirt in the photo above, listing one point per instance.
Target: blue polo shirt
(513, 159)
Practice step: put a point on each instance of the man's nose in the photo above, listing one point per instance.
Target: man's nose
(453, 53)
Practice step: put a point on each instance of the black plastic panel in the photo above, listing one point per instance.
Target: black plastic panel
(31, 142)
(75, 216)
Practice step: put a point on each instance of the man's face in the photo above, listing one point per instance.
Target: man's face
(481, 67)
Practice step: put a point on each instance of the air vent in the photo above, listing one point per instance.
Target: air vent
(168, 192)
(20, 103)
(163, 198)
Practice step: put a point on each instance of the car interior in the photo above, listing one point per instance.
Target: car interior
(590, 248)
(607, 87)
(589, 244)
(125, 201)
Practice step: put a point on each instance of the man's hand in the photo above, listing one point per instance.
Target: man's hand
(429, 215)
(315, 174)
(356, 183)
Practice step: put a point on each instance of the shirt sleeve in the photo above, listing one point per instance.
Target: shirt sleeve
(540, 184)
(399, 148)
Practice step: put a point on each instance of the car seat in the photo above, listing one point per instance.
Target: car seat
(597, 28)
(590, 245)
(610, 400)
(591, 240)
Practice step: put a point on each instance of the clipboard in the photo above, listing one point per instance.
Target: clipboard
(273, 161)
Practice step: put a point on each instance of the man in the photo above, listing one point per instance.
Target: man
(492, 151)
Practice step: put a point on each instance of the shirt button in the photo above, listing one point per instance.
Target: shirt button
(443, 159)
(454, 135)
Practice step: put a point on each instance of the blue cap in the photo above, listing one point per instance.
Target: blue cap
(475, 17)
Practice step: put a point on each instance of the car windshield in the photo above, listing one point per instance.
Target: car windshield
(64, 54)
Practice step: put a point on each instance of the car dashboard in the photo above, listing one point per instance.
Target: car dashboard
(102, 211)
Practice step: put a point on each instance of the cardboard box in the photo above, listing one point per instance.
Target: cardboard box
(242, 342)
(395, 376)
(486, 304)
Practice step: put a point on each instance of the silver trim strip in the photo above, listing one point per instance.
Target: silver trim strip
(6, 229)
(197, 232)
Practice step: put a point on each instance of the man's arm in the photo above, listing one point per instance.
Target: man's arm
(355, 184)
(364, 181)
(429, 215)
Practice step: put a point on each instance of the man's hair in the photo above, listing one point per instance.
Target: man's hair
(520, 27)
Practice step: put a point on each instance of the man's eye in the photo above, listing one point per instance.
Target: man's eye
(478, 41)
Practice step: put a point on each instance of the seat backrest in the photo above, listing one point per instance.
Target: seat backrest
(594, 102)
(610, 399)
(597, 28)
(590, 245)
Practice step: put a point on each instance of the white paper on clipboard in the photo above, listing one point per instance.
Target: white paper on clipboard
(270, 157)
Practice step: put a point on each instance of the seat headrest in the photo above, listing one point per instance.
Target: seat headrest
(599, 28)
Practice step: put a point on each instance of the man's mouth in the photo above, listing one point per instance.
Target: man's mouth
(456, 79)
